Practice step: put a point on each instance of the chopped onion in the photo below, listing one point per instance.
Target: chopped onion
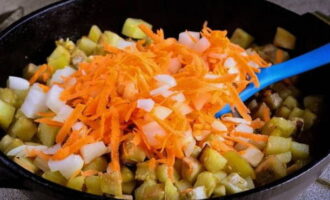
(153, 132)
(63, 114)
(253, 64)
(218, 125)
(217, 85)
(189, 146)
(52, 150)
(145, 104)
(183, 108)
(252, 155)
(237, 120)
(20, 151)
(179, 97)
(91, 151)
(34, 102)
(244, 128)
(77, 126)
(185, 38)
(162, 112)
(201, 45)
(199, 193)
(174, 65)
(122, 44)
(200, 100)
(211, 76)
(229, 62)
(163, 90)
(218, 55)
(202, 134)
(68, 166)
(17, 83)
(53, 99)
(165, 79)
(61, 73)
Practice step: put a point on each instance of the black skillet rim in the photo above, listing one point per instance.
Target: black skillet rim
(14, 168)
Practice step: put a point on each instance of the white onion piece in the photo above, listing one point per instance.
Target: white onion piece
(253, 64)
(240, 146)
(217, 85)
(77, 126)
(145, 104)
(52, 150)
(17, 83)
(244, 128)
(63, 114)
(179, 97)
(162, 112)
(62, 73)
(20, 151)
(122, 44)
(68, 166)
(53, 99)
(165, 79)
(91, 151)
(211, 76)
(252, 155)
(200, 100)
(189, 146)
(202, 45)
(229, 62)
(237, 120)
(160, 91)
(174, 65)
(199, 193)
(218, 125)
(153, 130)
(183, 108)
(185, 38)
(202, 135)
(34, 102)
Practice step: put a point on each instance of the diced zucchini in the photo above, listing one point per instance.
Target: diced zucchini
(6, 114)
(183, 185)
(110, 38)
(23, 128)
(285, 157)
(284, 39)
(20, 97)
(60, 58)
(76, 183)
(283, 112)
(8, 96)
(111, 183)
(219, 191)
(260, 112)
(250, 183)
(162, 173)
(273, 101)
(296, 112)
(131, 28)
(281, 126)
(207, 180)
(77, 57)
(237, 180)
(242, 38)
(145, 170)
(14, 143)
(299, 150)
(270, 170)
(290, 102)
(194, 193)
(93, 185)
(171, 192)
(190, 169)
(238, 164)
(149, 190)
(212, 160)
(47, 134)
(29, 70)
(128, 187)
(231, 187)
(196, 152)
(132, 153)
(95, 33)
(309, 119)
(67, 44)
(5, 142)
(313, 103)
(26, 163)
(277, 144)
(41, 164)
(54, 176)
(99, 164)
(126, 174)
(86, 45)
(219, 175)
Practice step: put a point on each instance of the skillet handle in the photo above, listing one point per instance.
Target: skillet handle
(9, 180)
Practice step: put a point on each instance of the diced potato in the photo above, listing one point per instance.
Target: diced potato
(284, 39)
(283, 112)
(76, 183)
(207, 180)
(99, 164)
(131, 28)
(296, 112)
(290, 102)
(171, 192)
(5, 142)
(309, 119)
(242, 38)
(20, 94)
(29, 70)
(93, 185)
(212, 160)
(23, 128)
(26, 163)
(54, 176)
(196, 152)
(78, 56)
(67, 44)
(231, 187)
(131, 153)
(252, 155)
(47, 134)
(237, 180)
(285, 157)
(128, 187)
(313, 103)
(6, 114)
(273, 101)
(94, 33)
(110, 38)
(238, 164)
(190, 169)
(86, 45)
(299, 150)
(126, 174)
(270, 170)
(9, 96)
(282, 126)
(162, 173)
(183, 185)
(111, 183)
(250, 183)
(194, 193)
(41, 164)
(219, 175)
(277, 144)
(60, 58)
(145, 170)
(150, 190)
(219, 191)
(14, 143)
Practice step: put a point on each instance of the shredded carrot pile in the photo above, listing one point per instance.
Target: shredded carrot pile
(107, 88)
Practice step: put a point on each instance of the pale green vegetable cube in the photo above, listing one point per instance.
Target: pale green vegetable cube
(99, 164)
(47, 134)
(290, 102)
(242, 38)
(171, 192)
(313, 103)
(131, 28)
(132, 153)
(309, 119)
(212, 160)
(279, 126)
(296, 112)
(60, 58)
(277, 144)
(162, 173)
(231, 188)
(285, 157)
(190, 169)
(150, 190)
(299, 150)
(196, 152)
(14, 143)
(126, 174)
(110, 38)
(86, 45)
(94, 33)
(8, 96)
(6, 115)
(284, 39)
(219, 191)
(5, 142)
(93, 185)
(238, 164)
(24, 129)
(128, 187)
(270, 170)
(76, 183)
(250, 183)
(145, 170)
(41, 164)
(111, 183)
(283, 111)
(29, 70)
(26, 163)
(54, 176)
(183, 185)
(207, 180)
(219, 175)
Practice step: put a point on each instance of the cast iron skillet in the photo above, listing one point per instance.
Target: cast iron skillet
(32, 38)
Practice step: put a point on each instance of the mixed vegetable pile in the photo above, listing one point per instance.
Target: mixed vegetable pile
(135, 117)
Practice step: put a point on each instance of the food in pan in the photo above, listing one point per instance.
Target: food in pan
(134, 118)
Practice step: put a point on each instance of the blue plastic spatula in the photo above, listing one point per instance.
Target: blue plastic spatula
(308, 61)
